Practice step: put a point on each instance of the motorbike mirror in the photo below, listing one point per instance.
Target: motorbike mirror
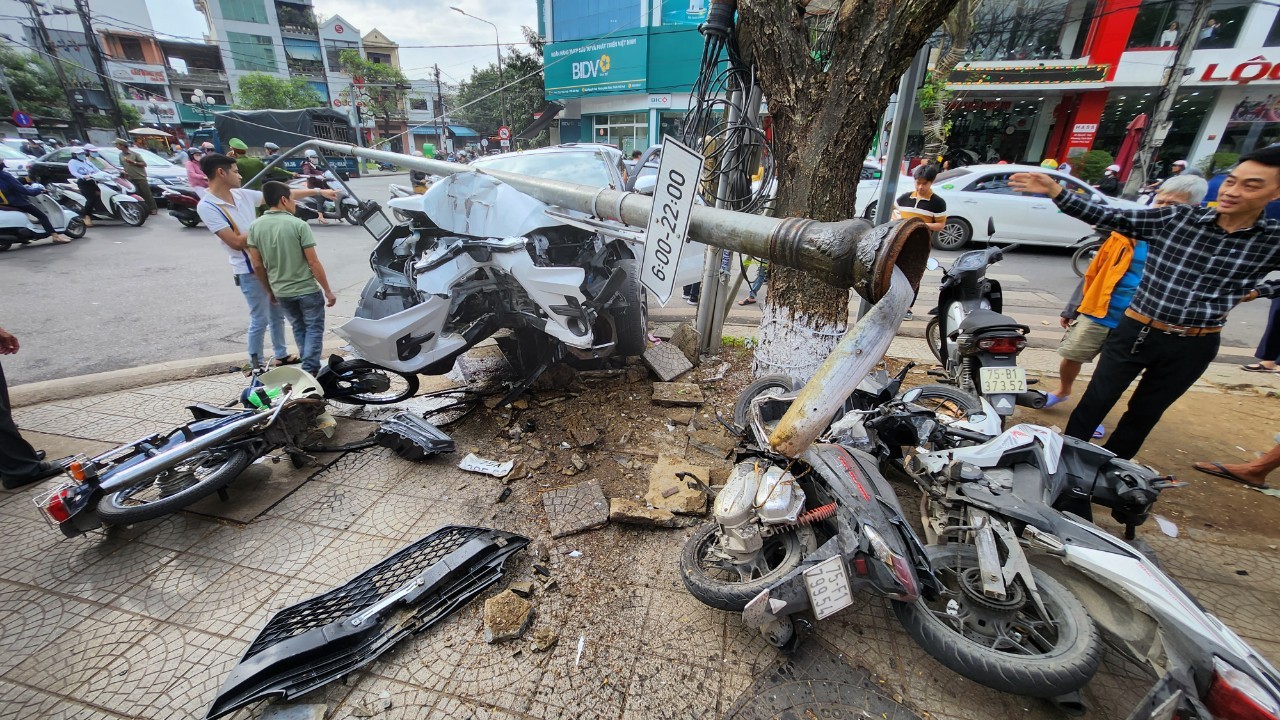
(912, 395)
(932, 264)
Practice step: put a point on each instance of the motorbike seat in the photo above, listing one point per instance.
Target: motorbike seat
(205, 411)
(983, 319)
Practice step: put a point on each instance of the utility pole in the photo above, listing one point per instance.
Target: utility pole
(440, 116)
(95, 51)
(8, 90)
(1160, 123)
(77, 117)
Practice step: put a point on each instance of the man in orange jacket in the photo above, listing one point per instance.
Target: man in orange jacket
(1100, 300)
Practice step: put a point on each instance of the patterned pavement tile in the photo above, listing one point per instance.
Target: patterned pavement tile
(1248, 612)
(235, 604)
(199, 672)
(144, 407)
(84, 656)
(495, 675)
(30, 620)
(1117, 688)
(348, 556)
(1203, 561)
(599, 682)
(370, 695)
(405, 518)
(451, 708)
(375, 468)
(49, 417)
(576, 508)
(180, 531)
(218, 390)
(91, 569)
(683, 629)
(172, 587)
(274, 544)
(664, 690)
(323, 503)
(424, 661)
(24, 703)
(605, 614)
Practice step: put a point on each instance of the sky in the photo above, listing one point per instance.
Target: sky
(407, 22)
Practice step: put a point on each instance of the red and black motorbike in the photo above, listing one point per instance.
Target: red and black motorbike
(182, 204)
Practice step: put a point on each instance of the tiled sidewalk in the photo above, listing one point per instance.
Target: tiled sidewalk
(146, 622)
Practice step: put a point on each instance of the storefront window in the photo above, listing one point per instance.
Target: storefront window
(1273, 37)
(1190, 109)
(988, 130)
(1226, 20)
(626, 131)
(1030, 30)
(1160, 23)
(1255, 123)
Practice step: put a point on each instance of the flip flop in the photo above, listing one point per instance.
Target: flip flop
(286, 360)
(1217, 470)
(1054, 400)
(1259, 367)
(747, 301)
(1099, 433)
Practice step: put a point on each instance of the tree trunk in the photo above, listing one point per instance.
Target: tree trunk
(958, 29)
(823, 124)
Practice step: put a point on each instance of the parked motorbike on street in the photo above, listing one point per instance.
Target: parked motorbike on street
(117, 195)
(989, 496)
(165, 472)
(977, 346)
(19, 228)
(182, 205)
(342, 207)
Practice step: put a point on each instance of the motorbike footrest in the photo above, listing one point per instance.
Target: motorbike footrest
(412, 437)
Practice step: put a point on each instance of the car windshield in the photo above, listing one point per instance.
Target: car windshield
(948, 174)
(9, 153)
(582, 167)
(151, 159)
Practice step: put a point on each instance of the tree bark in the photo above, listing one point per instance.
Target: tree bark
(823, 124)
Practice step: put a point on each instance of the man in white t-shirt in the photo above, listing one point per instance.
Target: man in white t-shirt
(227, 210)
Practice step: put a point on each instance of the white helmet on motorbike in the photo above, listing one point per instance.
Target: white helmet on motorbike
(90, 148)
(76, 150)
(312, 154)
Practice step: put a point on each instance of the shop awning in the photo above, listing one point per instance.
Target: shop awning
(542, 122)
(455, 130)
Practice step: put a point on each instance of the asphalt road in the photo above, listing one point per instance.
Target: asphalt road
(123, 297)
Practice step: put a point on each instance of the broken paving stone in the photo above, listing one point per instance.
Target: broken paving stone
(535, 443)
(506, 615)
(578, 462)
(584, 436)
(681, 415)
(523, 588)
(669, 393)
(517, 471)
(666, 361)
(626, 510)
(686, 338)
(685, 500)
(544, 639)
(537, 463)
(574, 509)
(712, 442)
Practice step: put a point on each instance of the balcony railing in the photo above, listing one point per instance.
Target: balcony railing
(306, 67)
(198, 76)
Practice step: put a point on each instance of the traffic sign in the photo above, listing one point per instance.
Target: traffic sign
(506, 143)
(24, 120)
(484, 142)
(504, 133)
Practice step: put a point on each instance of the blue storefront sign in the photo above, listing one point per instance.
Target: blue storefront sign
(597, 66)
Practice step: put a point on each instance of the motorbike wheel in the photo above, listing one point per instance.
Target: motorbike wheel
(189, 221)
(360, 382)
(170, 491)
(954, 235)
(869, 214)
(133, 214)
(1003, 644)
(727, 587)
(76, 228)
(632, 323)
(933, 337)
(949, 401)
(1082, 257)
(401, 215)
(769, 384)
(351, 213)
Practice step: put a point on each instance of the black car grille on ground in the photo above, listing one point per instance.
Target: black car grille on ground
(315, 642)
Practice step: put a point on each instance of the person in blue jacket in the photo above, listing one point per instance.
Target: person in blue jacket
(18, 196)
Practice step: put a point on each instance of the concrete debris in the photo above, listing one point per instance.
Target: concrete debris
(535, 443)
(666, 361)
(578, 462)
(664, 331)
(544, 639)
(523, 588)
(518, 470)
(506, 616)
(637, 373)
(557, 377)
(682, 394)
(576, 508)
(681, 415)
(685, 500)
(584, 436)
(713, 442)
(537, 463)
(686, 338)
(626, 510)
(719, 373)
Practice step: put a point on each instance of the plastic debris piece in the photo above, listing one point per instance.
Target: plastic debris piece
(582, 641)
(1167, 526)
(476, 464)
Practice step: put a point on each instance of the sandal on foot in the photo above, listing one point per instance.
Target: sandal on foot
(1259, 367)
(1099, 433)
(1054, 399)
(747, 301)
(1217, 470)
(286, 360)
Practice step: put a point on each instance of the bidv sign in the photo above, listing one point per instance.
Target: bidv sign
(588, 69)
(1255, 68)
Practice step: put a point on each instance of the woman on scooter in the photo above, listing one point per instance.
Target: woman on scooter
(83, 171)
(195, 176)
(14, 194)
(312, 171)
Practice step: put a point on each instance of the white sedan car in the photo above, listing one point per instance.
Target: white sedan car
(978, 193)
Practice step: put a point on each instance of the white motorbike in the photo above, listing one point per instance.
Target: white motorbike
(19, 228)
(117, 197)
(488, 257)
(343, 206)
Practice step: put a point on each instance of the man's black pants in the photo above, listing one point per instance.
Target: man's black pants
(1169, 364)
(17, 457)
(39, 215)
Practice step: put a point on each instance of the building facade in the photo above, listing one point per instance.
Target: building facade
(623, 69)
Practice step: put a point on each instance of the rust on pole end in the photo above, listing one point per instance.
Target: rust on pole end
(852, 253)
(903, 244)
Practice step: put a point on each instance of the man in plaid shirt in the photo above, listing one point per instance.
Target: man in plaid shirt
(1201, 263)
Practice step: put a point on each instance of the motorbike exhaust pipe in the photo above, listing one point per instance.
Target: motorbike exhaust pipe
(846, 254)
(170, 459)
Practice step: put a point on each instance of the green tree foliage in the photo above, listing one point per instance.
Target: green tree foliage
(1093, 164)
(385, 89)
(34, 84)
(524, 98)
(262, 91)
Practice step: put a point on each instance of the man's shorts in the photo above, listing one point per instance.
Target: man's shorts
(1084, 340)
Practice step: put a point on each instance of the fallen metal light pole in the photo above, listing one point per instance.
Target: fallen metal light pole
(846, 254)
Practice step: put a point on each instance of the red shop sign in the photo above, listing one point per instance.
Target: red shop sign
(1256, 68)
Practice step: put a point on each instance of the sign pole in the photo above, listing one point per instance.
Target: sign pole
(95, 51)
(77, 116)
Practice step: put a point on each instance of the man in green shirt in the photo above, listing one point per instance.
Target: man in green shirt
(135, 169)
(249, 167)
(283, 253)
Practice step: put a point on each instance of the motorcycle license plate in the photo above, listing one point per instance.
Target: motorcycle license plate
(828, 587)
(1001, 380)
